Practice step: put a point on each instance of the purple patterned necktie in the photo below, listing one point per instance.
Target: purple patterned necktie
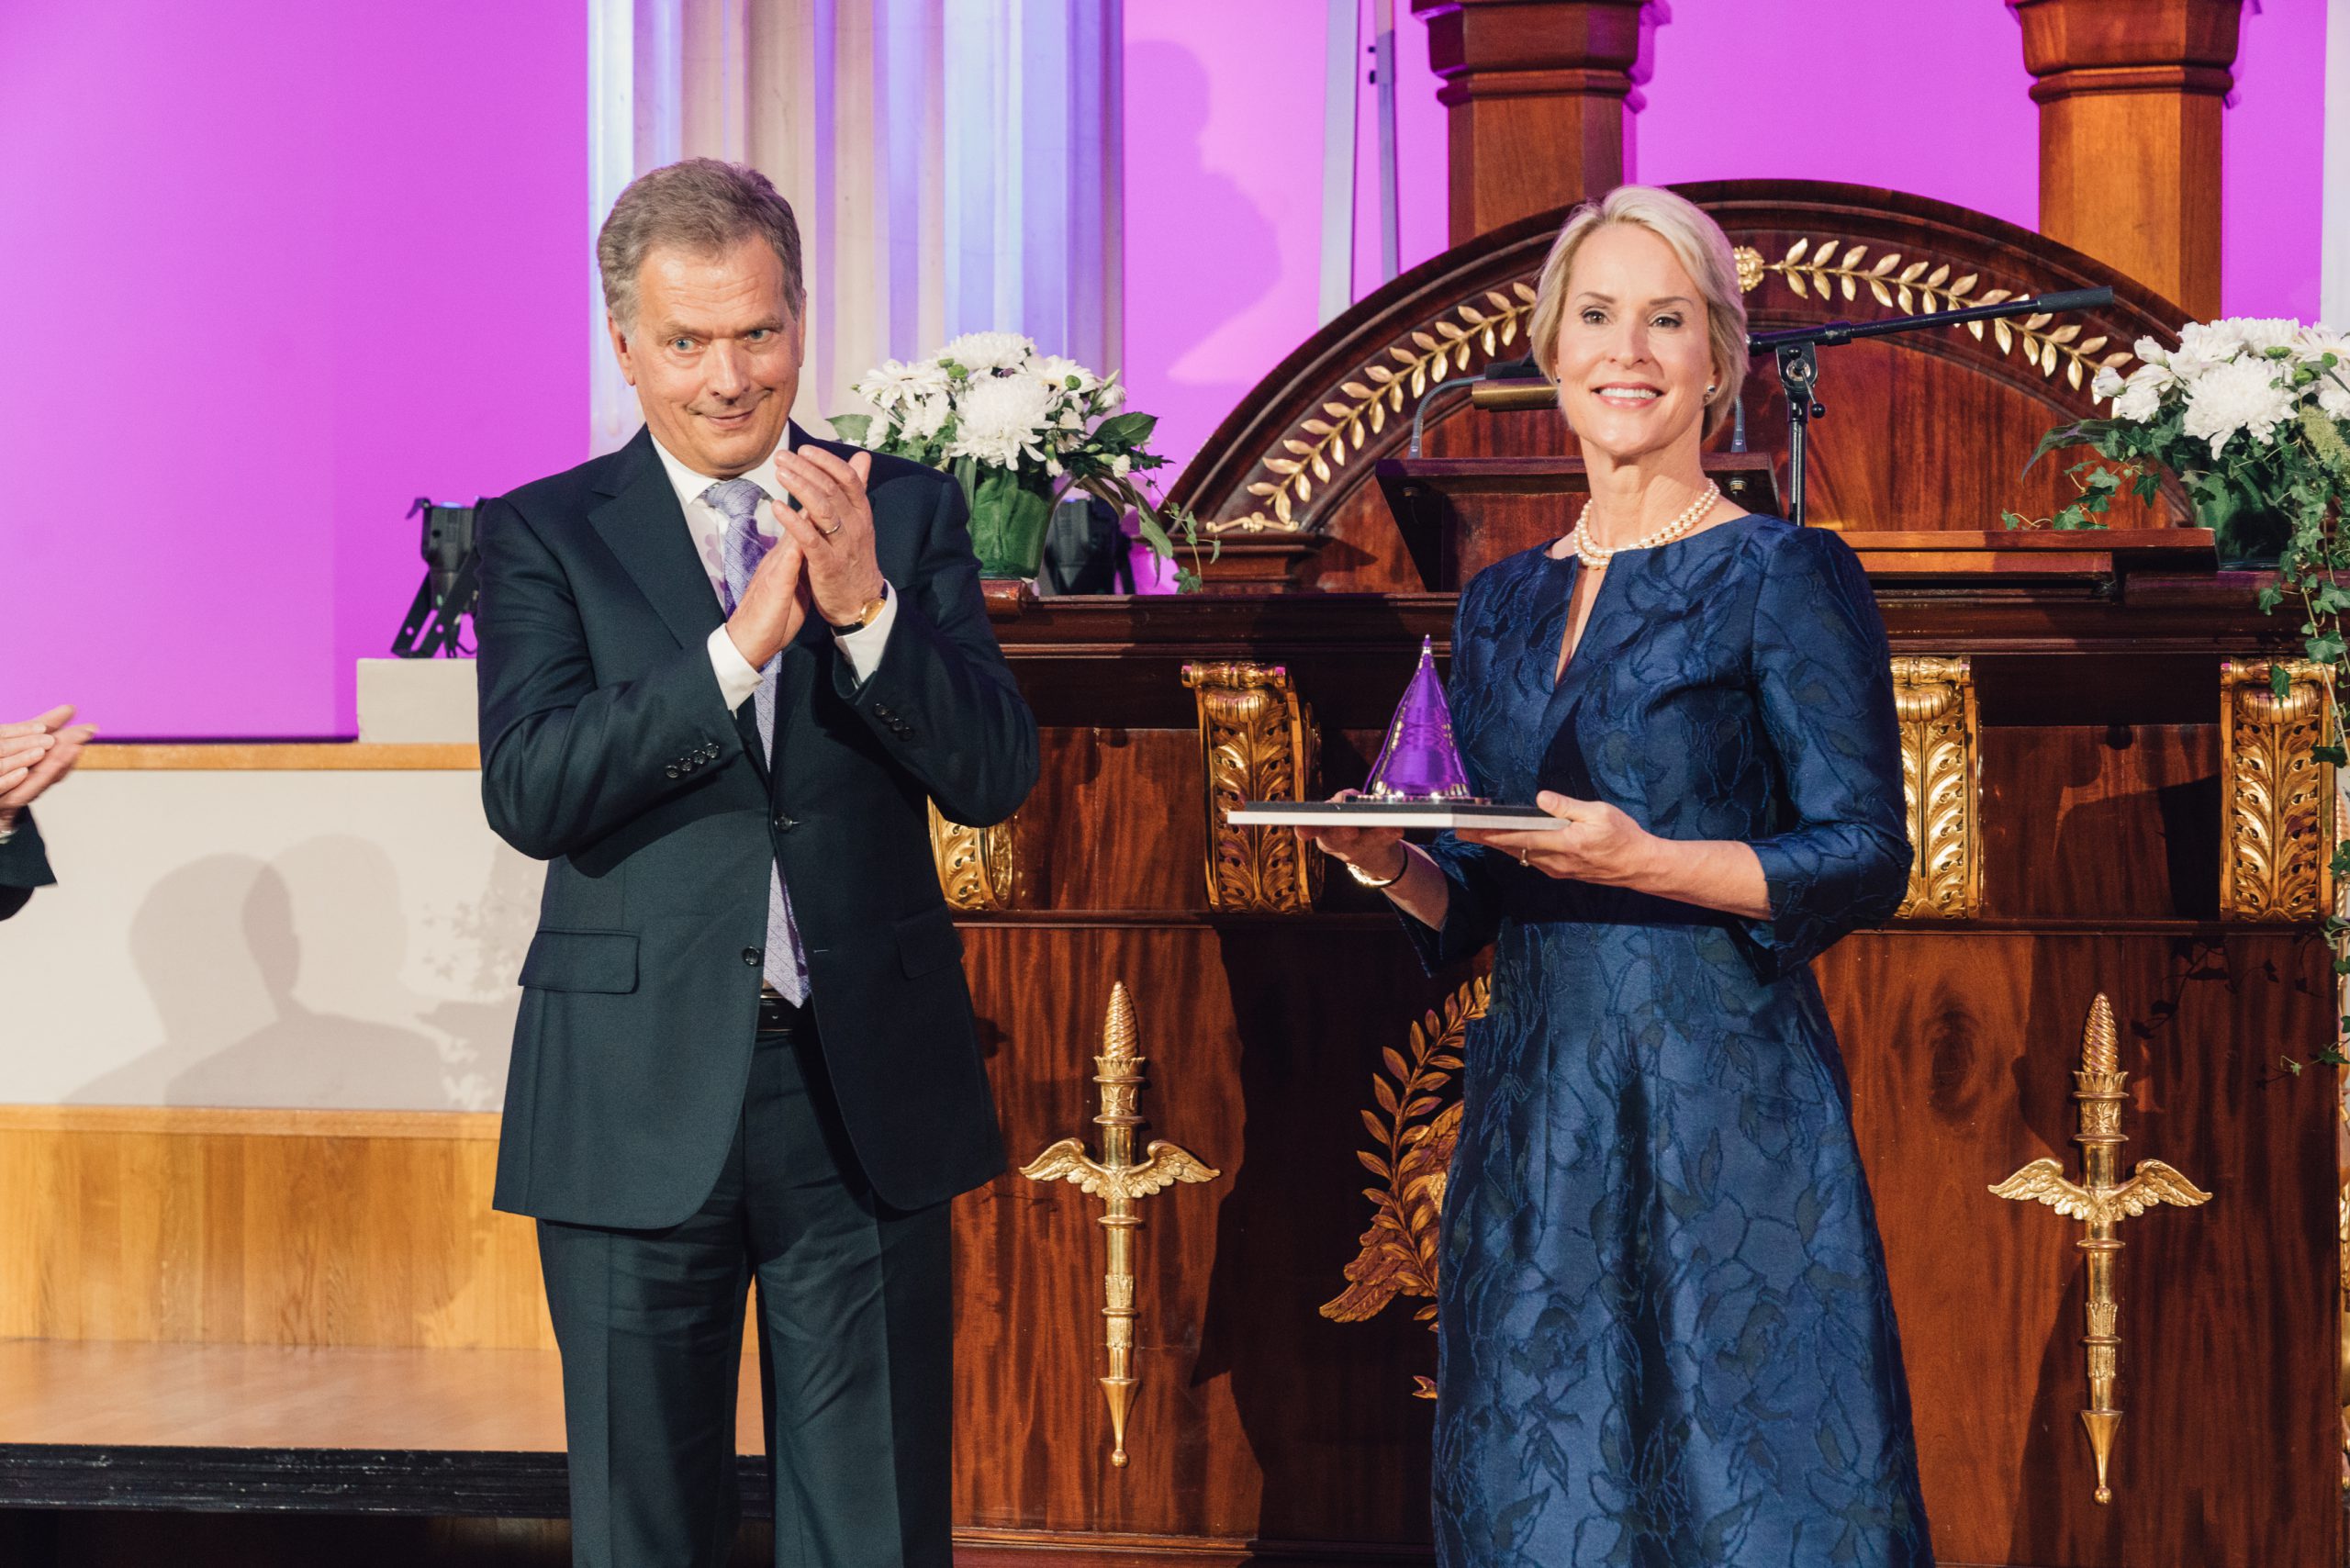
(738, 501)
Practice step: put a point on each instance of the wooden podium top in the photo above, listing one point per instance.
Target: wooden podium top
(1458, 515)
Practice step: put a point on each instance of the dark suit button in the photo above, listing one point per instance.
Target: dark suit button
(751, 956)
(671, 770)
(881, 713)
(784, 824)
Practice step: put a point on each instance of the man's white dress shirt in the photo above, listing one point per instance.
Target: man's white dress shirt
(737, 679)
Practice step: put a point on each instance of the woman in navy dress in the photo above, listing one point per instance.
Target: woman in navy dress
(1666, 1338)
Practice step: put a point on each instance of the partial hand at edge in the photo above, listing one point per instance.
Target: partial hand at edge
(36, 754)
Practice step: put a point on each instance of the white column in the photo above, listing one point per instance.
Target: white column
(954, 165)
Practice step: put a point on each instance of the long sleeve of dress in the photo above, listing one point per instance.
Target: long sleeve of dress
(1473, 910)
(1825, 685)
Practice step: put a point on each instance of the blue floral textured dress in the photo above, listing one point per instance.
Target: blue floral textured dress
(1666, 1339)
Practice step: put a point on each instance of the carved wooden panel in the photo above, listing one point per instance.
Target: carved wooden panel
(2280, 797)
(1941, 786)
(978, 868)
(1257, 743)
(1962, 412)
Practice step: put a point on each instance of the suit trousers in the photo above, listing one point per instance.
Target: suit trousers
(856, 1355)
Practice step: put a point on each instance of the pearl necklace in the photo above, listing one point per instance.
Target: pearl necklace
(1596, 557)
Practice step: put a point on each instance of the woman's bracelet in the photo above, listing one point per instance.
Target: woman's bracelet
(1368, 880)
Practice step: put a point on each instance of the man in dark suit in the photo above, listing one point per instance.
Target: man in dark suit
(34, 754)
(745, 1052)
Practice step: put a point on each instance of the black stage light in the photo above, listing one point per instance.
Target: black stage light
(445, 598)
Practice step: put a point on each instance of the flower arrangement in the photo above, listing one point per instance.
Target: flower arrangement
(2252, 417)
(2247, 414)
(1019, 431)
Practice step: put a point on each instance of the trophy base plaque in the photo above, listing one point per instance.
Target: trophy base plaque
(1473, 814)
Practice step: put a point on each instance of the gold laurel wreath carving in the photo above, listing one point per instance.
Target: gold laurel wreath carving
(1934, 699)
(2279, 794)
(1831, 267)
(1416, 1127)
(1321, 444)
(1406, 371)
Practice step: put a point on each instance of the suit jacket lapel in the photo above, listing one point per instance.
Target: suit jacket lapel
(642, 525)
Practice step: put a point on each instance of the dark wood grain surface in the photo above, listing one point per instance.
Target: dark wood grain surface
(1961, 1050)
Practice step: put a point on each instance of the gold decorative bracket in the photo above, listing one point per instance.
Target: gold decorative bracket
(2101, 1203)
(978, 868)
(1257, 743)
(1120, 1183)
(2276, 854)
(1940, 787)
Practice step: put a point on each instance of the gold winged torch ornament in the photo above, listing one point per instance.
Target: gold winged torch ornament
(1119, 1182)
(2102, 1202)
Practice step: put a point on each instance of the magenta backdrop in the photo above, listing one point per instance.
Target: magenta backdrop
(1223, 146)
(292, 266)
(296, 264)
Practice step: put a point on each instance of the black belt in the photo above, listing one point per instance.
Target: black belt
(777, 1016)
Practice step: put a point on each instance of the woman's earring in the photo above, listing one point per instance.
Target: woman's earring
(1711, 390)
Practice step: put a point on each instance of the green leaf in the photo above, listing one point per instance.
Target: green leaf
(1123, 430)
(2280, 682)
(851, 428)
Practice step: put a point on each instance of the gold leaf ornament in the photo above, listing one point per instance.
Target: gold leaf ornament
(1416, 1127)
(1344, 426)
(1828, 267)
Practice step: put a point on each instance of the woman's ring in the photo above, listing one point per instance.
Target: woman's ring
(1522, 858)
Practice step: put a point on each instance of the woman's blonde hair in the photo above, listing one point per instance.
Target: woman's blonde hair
(1705, 252)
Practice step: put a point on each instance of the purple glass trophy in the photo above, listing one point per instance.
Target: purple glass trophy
(1418, 782)
(1419, 761)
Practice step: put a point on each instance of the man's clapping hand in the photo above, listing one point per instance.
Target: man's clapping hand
(35, 755)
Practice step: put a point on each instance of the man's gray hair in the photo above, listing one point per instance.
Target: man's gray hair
(701, 206)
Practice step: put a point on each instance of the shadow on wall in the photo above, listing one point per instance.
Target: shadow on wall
(1218, 256)
(225, 944)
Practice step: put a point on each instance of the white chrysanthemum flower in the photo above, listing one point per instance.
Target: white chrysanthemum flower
(2262, 333)
(2202, 345)
(893, 384)
(2331, 388)
(925, 417)
(1058, 372)
(2240, 396)
(2138, 404)
(1121, 464)
(2150, 351)
(980, 352)
(2105, 384)
(1001, 417)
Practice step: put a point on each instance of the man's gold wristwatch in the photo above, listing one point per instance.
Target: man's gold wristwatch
(866, 614)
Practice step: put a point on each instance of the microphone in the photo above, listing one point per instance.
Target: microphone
(1505, 384)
